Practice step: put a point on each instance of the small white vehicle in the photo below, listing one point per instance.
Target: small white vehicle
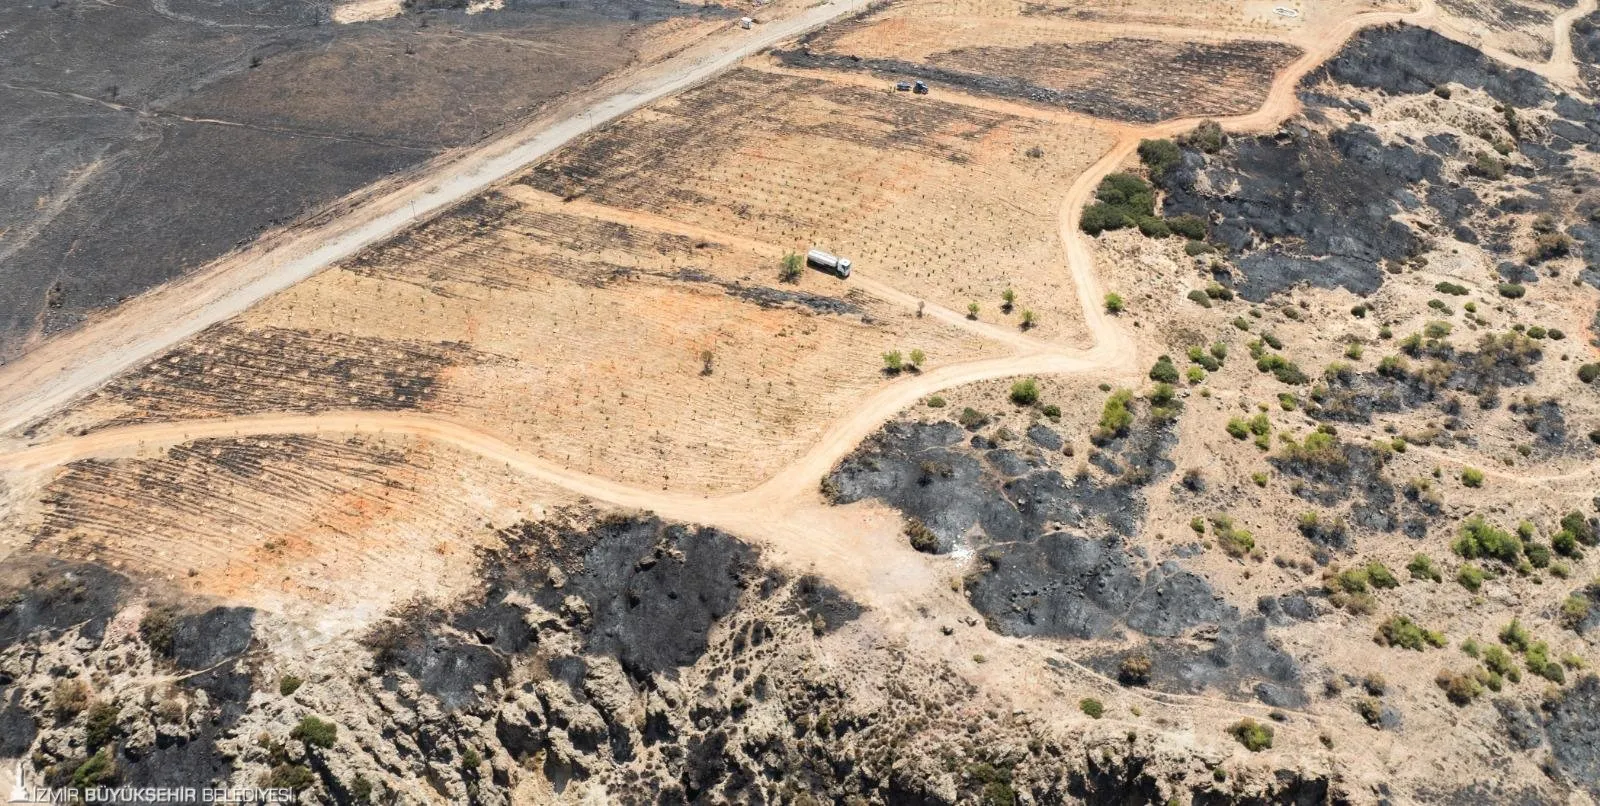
(825, 260)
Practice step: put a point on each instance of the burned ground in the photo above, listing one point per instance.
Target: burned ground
(42, 595)
(630, 164)
(1323, 205)
(1170, 79)
(1573, 731)
(1044, 570)
(1586, 49)
(1406, 60)
(232, 498)
(1523, 24)
(1305, 206)
(231, 370)
(179, 134)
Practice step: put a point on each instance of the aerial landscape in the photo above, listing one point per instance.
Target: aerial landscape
(793, 402)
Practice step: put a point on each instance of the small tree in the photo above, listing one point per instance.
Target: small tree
(1028, 318)
(893, 362)
(1114, 303)
(1025, 392)
(917, 358)
(972, 310)
(315, 732)
(1252, 734)
(790, 273)
(1009, 297)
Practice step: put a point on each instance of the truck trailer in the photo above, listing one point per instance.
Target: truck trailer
(825, 260)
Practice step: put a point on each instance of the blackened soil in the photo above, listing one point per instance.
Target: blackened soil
(654, 591)
(1052, 557)
(1572, 727)
(1096, 78)
(645, 592)
(228, 370)
(924, 470)
(1305, 207)
(213, 643)
(1438, 370)
(144, 139)
(1586, 49)
(43, 596)
(18, 728)
(1406, 60)
(1070, 586)
(1235, 658)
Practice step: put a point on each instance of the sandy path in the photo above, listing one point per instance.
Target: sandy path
(64, 368)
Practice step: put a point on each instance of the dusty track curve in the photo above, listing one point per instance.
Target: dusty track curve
(775, 509)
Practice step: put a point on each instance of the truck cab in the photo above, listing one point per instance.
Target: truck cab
(844, 267)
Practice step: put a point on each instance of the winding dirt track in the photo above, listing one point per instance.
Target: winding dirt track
(783, 509)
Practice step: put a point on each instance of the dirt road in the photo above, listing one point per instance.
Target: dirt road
(65, 368)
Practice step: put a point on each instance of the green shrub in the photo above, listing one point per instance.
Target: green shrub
(1101, 217)
(100, 726)
(1115, 416)
(360, 789)
(1471, 577)
(1025, 392)
(1461, 689)
(1421, 567)
(1481, 539)
(936, 402)
(790, 272)
(97, 770)
(1380, 576)
(291, 776)
(1123, 200)
(1152, 227)
(1092, 707)
(288, 684)
(1159, 155)
(1163, 371)
(921, 537)
(1403, 632)
(1115, 303)
(1512, 290)
(1207, 137)
(315, 732)
(1516, 636)
(1574, 610)
(1252, 734)
(1199, 297)
(1051, 410)
(1501, 663)
(1189, 226)
(1450, 288)
(158, 627)
(893, 361)
(1195, 248)
(1472, 477)
(1234, 541)
(1589, 372)
(1539, 662)
(1487, 167)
